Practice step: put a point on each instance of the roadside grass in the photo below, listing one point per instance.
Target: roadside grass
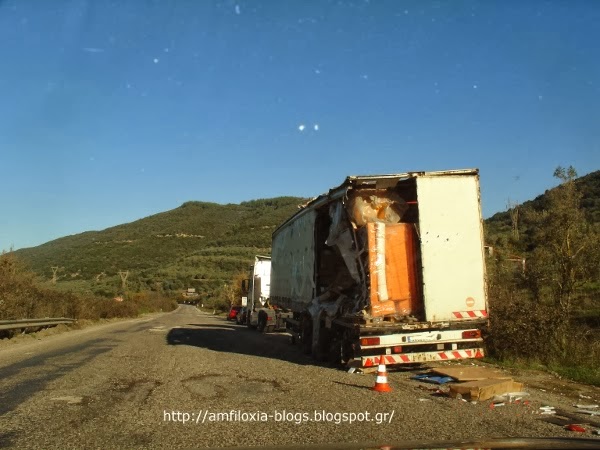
(22, 297)
(582, 374)
(579, 373)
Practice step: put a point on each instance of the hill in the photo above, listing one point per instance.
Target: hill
(499, 227)
(197, 245)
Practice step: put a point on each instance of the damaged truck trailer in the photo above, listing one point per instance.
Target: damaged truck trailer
(388, 266)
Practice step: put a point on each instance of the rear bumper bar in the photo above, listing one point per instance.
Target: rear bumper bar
(407, 358)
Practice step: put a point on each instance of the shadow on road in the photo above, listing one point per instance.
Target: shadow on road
(230, 338)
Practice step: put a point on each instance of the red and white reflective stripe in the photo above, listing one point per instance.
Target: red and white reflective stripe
(470, 314)
(458, 354)
(370, 361)
(383, 359)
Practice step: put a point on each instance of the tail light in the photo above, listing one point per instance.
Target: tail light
(397, 349)
(369, 341)
(471, 334)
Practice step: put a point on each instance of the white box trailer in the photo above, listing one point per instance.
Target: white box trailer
(259, 283)
(385, 266)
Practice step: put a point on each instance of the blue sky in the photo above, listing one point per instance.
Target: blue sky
(113, 111)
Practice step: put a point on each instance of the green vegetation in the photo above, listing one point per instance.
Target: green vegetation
(22, 297)
(198, 245)
(546, 312)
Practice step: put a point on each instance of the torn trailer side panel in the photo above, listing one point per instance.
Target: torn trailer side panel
(292, 255)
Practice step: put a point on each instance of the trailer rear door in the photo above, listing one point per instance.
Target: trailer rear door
(452, 258)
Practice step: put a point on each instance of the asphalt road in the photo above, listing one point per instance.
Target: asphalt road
(161, 382)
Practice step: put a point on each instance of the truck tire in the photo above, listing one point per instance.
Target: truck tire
(335, 353)
(321, 352)
(340, 352)
(306, 339)
(262, 322)
(346, 348)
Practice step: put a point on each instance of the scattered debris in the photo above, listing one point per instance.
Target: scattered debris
(441, 393)
(469, 373)
(485, 389)
(591, 413)
(547, 410)
(430, 378)
(70, 399)
(556, 421)
(352, 370)
(575, 427)
(572, 416)
(424, 399)
(584, 396)
(427, 388)
(586, 406)
(510, 397)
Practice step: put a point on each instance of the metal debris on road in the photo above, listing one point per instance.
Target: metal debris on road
(70, 399)
(510, 397)
(591, 413)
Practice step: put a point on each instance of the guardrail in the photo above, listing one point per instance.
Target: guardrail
(30, 323)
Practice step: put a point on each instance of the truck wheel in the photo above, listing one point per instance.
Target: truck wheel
(335, 352)
(307, 336)
(341, 350)
(262, 323)
(321, 353)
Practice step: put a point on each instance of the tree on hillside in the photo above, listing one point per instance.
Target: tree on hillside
(236, 287)
(566, 251)
(513, 210)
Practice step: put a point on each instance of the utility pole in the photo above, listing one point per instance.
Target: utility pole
(124, 275)
(54, 272)
(513, 210)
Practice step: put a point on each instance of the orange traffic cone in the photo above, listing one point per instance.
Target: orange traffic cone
(381, 382)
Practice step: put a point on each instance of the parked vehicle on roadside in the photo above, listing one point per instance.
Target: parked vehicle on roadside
(233, 312)
(383, 267)
(258, 286)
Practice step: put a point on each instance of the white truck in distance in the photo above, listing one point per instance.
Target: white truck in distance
(258, 287)
(387, 266)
